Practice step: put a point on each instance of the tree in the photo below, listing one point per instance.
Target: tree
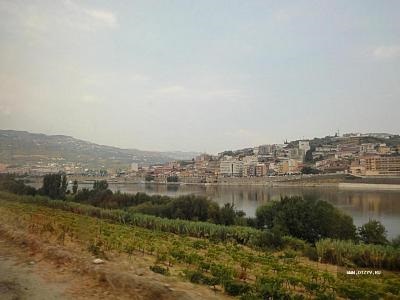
(100, 185)
(309, 157)
(75, 187)
(265, 215)
(149, 177)
(10, 183)
(54, 186)
(373, 232)
(173, 178)
(309, 170)
(306, 218)
(227, 214)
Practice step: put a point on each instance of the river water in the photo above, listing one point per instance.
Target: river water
(361, 205)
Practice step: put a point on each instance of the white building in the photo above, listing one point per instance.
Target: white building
(368, 148)
(134, 167)
(231, 168)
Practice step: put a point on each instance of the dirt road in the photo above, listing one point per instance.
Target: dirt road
(19, 279)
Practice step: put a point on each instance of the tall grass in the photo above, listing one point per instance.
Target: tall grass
(348, 253)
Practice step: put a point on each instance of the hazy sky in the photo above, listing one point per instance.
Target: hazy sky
(199, 75)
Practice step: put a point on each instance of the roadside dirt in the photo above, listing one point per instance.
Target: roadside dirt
(19, 278)
(36, 269)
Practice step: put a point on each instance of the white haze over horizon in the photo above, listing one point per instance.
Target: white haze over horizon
(199, 75)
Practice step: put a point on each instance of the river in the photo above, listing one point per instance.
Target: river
(361, 205)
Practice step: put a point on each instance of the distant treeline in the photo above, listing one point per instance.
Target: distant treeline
(308, 219)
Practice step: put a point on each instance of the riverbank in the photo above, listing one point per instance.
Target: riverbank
(340, 181)
(369, 186)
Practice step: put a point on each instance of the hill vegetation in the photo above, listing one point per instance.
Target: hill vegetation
(21, 147)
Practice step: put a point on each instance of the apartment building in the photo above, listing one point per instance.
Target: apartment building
(289, 166)
(249, 170)
(383, 149)
(231, 168)
(367, 148)
(261, 170)
(376, 166)
(381, 165)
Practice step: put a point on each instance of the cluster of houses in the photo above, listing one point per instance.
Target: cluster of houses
(347, 155)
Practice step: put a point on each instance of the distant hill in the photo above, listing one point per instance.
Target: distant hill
(21, 147)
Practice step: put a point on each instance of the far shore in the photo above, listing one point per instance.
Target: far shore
(324, 181)
(269, 184)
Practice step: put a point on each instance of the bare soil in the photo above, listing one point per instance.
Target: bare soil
(33, 268)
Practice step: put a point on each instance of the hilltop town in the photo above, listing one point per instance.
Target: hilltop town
(375, 155)
(365, 155)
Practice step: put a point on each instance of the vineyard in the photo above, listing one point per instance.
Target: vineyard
(232, 258)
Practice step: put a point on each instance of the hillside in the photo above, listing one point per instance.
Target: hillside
(21, 148)
(145, 257)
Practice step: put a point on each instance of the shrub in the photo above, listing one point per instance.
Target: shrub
(294, 243)
(310, 252)
(95, 247)
(373, 232)
(196, 277)
(236, 288)
(221, 272)
(269, 288)
(160, 270)
(11, 184)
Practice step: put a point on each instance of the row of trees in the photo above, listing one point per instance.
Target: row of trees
(54, 186)
(10, 184)
(186, 207)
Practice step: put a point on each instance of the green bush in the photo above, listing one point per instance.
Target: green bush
(196, 277)
(221, 272)
(160, 270)
(351, 291)
(270, 288)
(236, 288)
(11, 184)
(294, 243)
(373, 232)
(310, 252)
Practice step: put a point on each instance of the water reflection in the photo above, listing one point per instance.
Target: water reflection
(361, 205)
